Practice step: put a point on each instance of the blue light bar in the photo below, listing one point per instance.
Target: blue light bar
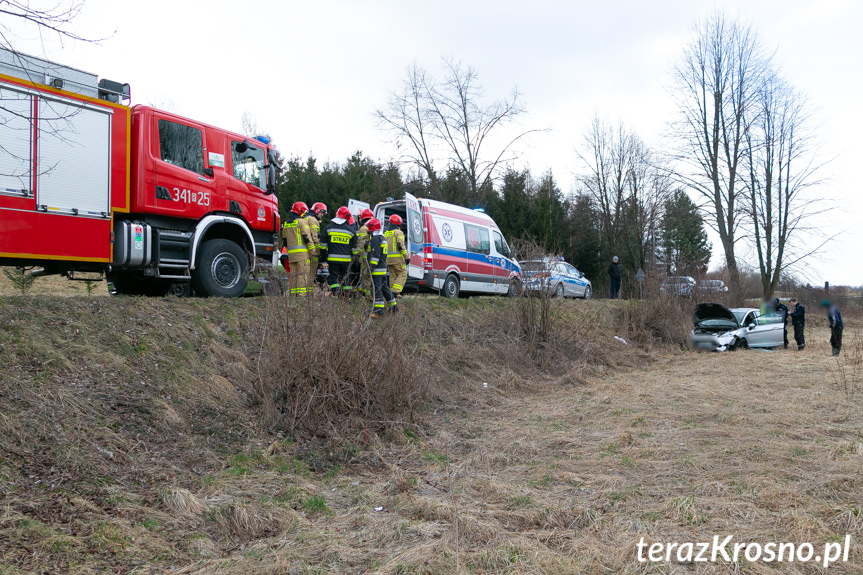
(480, 210)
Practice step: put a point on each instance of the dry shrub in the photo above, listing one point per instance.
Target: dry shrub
(659, 317)
(847, 369)
(325, 368)
(183, 502)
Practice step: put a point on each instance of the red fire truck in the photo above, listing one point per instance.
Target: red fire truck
(155, 202)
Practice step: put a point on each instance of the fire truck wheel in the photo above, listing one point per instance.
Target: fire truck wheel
(222, 270)
(451, 286)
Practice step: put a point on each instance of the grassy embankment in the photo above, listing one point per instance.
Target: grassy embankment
(135, 437)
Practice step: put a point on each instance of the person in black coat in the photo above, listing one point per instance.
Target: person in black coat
(798, 320)
(614, 277)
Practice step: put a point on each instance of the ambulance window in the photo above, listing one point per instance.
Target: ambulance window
(477, 239)
(248, 164)
(415, 226)
(181, 146)
(499, 243)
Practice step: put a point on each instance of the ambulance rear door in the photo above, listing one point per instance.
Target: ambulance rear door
(415, 235)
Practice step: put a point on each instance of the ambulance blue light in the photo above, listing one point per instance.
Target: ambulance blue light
(480, 210)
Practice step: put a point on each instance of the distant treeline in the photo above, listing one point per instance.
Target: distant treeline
(669, 240)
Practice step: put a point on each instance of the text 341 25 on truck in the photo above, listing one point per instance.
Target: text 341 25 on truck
(454, 250)
(158, 202)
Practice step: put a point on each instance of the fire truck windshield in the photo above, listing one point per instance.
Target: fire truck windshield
(248, 164)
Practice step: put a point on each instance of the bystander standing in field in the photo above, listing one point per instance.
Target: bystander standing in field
(834, 321)
(798, 320)
(614, 277)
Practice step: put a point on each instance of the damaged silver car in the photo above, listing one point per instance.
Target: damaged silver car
(718, 328)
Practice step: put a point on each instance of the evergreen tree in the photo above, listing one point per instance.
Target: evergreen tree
(686, 250)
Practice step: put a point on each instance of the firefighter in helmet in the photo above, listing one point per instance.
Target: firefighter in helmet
(360, 266)
(378, 262)
(300, 246)
(339, 245)
(397, 255)
(315, 218)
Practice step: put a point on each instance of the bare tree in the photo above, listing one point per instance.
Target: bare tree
(716, 87)
(53, 17)
(780, 167)
(451, 118)
(607, 158)
(408, 120)
(648, 188)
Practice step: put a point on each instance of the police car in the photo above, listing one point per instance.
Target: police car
(556, 277)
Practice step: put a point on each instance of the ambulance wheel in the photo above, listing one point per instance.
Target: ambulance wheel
(514, 288)
(222, 270)
(451, 286)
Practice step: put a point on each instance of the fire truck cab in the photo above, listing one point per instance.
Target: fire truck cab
(157, 202)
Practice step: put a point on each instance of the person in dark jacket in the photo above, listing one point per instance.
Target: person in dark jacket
(338, 248)
(614, 277)
(834, 322)
(798, 320)
(782, 311)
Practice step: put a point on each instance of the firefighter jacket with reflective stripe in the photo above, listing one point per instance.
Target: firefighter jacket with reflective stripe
(378, 254)
(363, 243)
(396, 250)
(339, 242)
(298, 238)
(315, 229)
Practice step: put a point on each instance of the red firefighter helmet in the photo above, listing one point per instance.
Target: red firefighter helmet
(373, 225)
(396, 220)
(343, 213)
(351, 219)
(319, 208)
(366, 214)
(300, 208)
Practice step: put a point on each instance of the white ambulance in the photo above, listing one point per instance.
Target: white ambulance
(453, 250)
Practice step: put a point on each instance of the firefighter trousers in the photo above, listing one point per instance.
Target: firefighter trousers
(301, 282)
(339, 277)
(383, 296)
(398, 274)
(313, 271)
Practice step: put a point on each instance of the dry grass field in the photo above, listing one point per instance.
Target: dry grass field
(130, 443)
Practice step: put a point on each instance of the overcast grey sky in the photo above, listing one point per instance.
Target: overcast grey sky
(311, 73)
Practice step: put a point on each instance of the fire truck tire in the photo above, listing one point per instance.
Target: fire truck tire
(222, 270)
(451, 286)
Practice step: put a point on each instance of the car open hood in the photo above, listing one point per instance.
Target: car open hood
(713, 314)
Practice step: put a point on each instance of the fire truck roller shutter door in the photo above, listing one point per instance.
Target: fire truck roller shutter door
(76, 142)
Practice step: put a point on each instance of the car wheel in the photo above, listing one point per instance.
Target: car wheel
(587, 292)
(451, 287)
(740, 343)
(222, 271)
(515, 288)
(558, 291)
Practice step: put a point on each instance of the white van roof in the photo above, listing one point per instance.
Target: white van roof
(432, 204)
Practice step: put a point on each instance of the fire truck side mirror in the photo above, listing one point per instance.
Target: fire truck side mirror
(271, 179)
(209, 172)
